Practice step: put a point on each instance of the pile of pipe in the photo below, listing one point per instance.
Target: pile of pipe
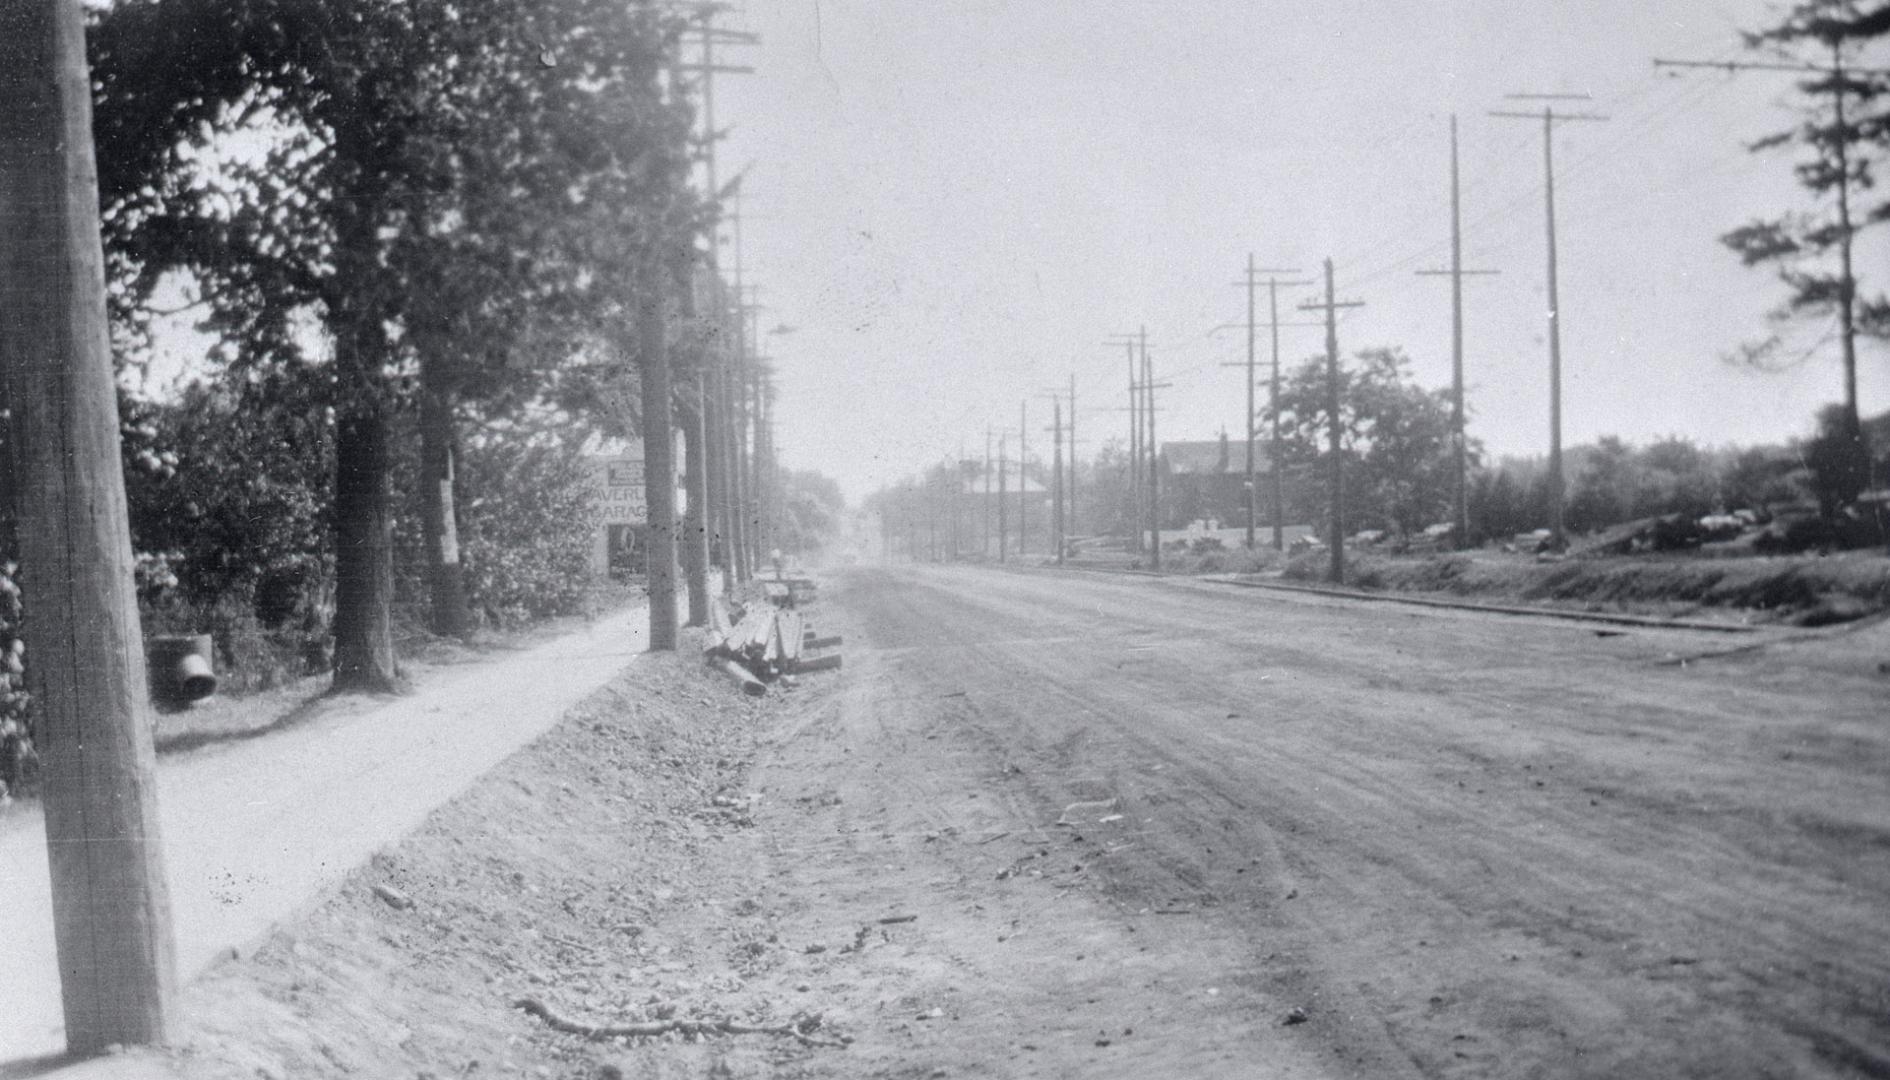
(768, 641)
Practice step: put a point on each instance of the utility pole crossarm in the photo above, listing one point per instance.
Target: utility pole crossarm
(1547, 114)
(1732, 66)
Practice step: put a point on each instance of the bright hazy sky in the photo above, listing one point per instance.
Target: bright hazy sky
(954, 203)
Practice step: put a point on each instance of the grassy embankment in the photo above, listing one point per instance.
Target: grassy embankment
(1805, 589)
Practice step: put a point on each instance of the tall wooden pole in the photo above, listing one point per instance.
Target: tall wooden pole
(1253, 509)
(659, 458)
(984, 502)
(1276, 467)
(1456, 348)
(1549, 117)
(1557, 527)
(1335, 441)
(1057, 465)
(1333, 427)
(1251, 284)
(1135, 452)
(1155, 485)
(1023, 494)
(1071, 523)
(692, 412)
(1004, 526)
(111, 906)
(1456, 273)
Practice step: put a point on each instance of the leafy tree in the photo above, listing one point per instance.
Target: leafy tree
(1837, 460)
(1395, 442)
(1102, 485)
(1497, 509)
(812, 505)
(530, 528)
(1679, 478)
(1620, 483)
(384, 170)
(1606, 490)
(1762, 476)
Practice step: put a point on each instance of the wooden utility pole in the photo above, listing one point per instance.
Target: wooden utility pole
(111, 905)
(984, 502)
(1557, 531)
(1335, 426)
(1056, 484)
(958, 495)
(692, 412)
(1135, 443)
(1148, 387)
(1251, 284)
(1004, 539)
(1023, 481)
(1456, 273)
(659, 458)
(714, 489)
(1071, 523)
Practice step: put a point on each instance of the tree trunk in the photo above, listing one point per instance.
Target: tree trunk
(451, 615)
(364, 520)
(659, 467)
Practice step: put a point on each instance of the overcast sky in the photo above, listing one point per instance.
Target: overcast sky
(955, 202)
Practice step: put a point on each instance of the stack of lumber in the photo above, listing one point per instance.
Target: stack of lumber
(765, 642)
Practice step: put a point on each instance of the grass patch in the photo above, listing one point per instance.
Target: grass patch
(1808, 589)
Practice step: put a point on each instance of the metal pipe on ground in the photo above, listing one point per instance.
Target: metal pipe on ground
(744, 678)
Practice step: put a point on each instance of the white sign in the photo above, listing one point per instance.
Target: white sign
(620, 497)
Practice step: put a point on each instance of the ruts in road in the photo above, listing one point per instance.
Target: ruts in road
(1302, 836)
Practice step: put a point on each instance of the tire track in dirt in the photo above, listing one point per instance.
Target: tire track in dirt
(1645, 909)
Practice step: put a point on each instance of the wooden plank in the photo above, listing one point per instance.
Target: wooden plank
(791, 638)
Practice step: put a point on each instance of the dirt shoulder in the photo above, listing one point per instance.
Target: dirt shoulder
(1108, 827)
(838, 859)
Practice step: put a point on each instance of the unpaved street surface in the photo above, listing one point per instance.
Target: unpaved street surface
(1068, 825)
(1463, 845)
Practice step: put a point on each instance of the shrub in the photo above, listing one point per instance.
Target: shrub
(17, 761)
(528, 530)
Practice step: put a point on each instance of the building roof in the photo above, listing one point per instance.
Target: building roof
(975, 486)
(1211, 456)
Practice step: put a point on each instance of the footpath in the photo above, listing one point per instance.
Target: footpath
(259, 830)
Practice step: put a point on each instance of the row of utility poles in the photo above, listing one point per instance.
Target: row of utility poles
(1143, 488)
(1256, 276)
(946, 489)
(732, 486)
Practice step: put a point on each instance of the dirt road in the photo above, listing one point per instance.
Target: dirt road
(1461, 845)
(1066, 825)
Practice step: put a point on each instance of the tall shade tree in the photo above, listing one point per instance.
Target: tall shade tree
(1844, 132)
(414, 177)
(1396, 440)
